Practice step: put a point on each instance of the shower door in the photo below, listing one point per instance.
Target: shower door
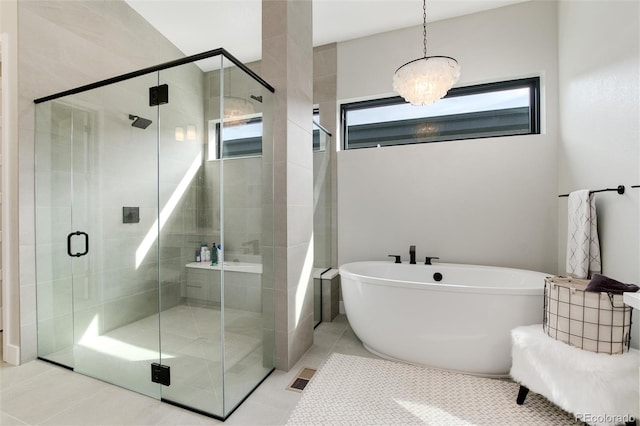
(96, 233)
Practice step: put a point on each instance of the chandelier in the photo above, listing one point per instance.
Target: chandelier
(428, 79)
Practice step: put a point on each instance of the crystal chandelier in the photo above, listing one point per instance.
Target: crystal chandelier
(428, 79)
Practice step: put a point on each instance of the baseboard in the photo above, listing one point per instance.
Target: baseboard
(11, 354)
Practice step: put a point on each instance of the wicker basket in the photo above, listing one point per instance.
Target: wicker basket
(597, 322)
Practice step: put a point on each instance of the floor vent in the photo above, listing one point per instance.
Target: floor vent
(302, 378)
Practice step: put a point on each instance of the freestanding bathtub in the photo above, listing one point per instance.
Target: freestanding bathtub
(460, 323)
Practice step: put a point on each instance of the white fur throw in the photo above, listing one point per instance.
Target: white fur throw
(599, 389)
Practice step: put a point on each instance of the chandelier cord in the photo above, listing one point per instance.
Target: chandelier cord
(424, 26)
(427, 79)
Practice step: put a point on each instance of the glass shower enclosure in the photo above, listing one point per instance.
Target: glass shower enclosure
(154, 231)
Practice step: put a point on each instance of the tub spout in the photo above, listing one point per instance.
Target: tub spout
(412, 255)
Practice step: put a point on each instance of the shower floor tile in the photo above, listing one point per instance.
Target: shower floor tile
(191, 342)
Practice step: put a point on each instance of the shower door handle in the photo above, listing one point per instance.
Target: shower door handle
(86, 244)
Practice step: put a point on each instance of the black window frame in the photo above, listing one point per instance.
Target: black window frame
(532, 83)
(257, 141)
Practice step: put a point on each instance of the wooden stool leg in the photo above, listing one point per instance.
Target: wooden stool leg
(522, 394)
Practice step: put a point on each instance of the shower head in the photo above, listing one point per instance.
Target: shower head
(139, 122)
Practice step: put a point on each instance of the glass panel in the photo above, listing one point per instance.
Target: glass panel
(54, 127)
(96, 207)
(247, 281)
(189, 189)
(114, 199)
(317, 300)
(214, 335)
(321, 214)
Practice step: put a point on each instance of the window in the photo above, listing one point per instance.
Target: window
(319, 142)
(242, 139)
(495, 109)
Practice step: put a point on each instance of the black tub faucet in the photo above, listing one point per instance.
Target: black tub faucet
(428, 259)
(412, 255)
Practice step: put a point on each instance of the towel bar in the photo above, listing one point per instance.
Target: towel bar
(619, 190)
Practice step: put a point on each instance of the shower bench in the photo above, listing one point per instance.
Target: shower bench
(242, 284)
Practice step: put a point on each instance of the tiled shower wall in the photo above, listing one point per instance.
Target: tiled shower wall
(242, 208)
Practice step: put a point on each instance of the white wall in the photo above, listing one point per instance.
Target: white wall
(10, 170)
(486, 201)
(599, 124)
(599, 44)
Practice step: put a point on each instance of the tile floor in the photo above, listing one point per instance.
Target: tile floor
(39, 393)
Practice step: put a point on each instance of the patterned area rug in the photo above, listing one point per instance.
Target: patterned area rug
(351, 390)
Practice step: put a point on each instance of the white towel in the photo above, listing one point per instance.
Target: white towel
(583, 246)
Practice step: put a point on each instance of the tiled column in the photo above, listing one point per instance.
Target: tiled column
(287, 64)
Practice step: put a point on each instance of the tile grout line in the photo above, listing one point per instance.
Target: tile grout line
(287, 413)
(51, 369)
(79, 401)
(13, 417)
(335, 343)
